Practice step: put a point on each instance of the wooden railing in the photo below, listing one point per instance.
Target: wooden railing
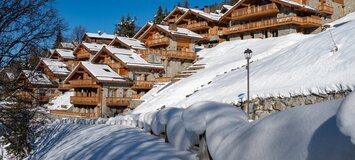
(141, 84)
(248, 12)
(170, 54)
(158, 42)
(326, 9)
(136, 96)
(82, 83)
(195, 26)
(162, 79)
(117, 101)
(312, 21)
(71, 114)
(81, 100)
(83, 55)
(64, 87)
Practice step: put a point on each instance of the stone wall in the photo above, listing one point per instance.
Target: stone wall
(261, 107)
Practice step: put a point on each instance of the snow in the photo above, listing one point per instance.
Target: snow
(56, 66)
(285, 66)
(72, 141)
(36, 77)
(102, 72)
(211, 16)
(174, 10)
(61, 102)
(93, 46)
(131, 58)
(298, 4)
(65, 53)
(179, 31)
(134, 43)
(101, 35)
(66, 45)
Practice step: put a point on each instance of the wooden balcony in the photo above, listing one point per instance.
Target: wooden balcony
(65, 113)
(162, 79)
(323, 8)
(171, 54)
(196, 26)
(29, 98)
(141, 84)
(81, 100)
(82, 56)
(339, 1)
(89, 83)
(158, 42)
(248, 13)
(306, 22)
(64, 87)
(117, 101)
(136, 96)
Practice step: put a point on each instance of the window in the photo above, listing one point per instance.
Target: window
(107, 70)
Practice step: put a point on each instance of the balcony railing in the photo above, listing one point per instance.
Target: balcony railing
(72, 114)
(141, 84)
(64, 87)
(258, 11)
(81, 100)
(117, 101)
(82, 83)
(136, 96)
(162, 79)
(171, 54)
(312, 21)
(83, 55)
(326, 9)
(195, 26)
(158, 42)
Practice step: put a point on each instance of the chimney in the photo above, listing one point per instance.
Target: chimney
(99, 32)
(172, 26)
(206, 9)
(196, 7)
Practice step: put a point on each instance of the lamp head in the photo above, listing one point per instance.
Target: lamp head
(248, 53)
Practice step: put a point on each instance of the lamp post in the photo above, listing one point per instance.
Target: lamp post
(248, 55)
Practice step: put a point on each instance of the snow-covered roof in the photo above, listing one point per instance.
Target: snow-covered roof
(212, 16)
(66, 45)
(228, 7)
(93, 46)
(102, 72)
(10, 75)
(65, 53)
(297, 4)
(180, 31)
(36, 77)
(57, 67)
(131, 42)
(101, 35)
(142, 30)
(174, 10)
(131, 58)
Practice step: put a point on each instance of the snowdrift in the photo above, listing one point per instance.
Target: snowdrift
(281, 67)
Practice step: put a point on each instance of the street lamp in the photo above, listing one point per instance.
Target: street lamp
(248, 55)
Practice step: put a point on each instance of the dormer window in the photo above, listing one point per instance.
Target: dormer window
(107, 70)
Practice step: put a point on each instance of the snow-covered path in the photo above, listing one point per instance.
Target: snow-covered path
(70, 141)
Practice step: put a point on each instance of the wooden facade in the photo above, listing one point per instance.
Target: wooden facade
(70, 61)
(174, 15)
(99, 38)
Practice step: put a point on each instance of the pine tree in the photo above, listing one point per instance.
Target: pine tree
(166, 12)
(126, 27)
(186, 4)
(179, 4)
(59, 37)
(159, 16)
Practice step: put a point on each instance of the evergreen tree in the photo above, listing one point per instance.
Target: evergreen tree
(186, 4)
(179, 4)
(126, 27)
(166, 12)
(159, 16)
(59, 37)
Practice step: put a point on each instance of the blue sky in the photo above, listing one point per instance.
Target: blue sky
(102, 15)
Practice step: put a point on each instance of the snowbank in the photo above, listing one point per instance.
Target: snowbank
(281, 67)
(61, 102)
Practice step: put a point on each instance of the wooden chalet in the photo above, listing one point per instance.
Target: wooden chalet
(66, 56)
(100, 38)
(128, 43)
(174, 15)
(37, 88)
(66, 45)
(56, 71)
(270, 18)
(86, 51)
(131, 66)
(99, 91)
(204, 23)
(169, 45)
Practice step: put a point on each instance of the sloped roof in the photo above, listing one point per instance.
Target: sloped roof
(131, 42)
(65, 53)
(36, 77)
(56, 67)
(142, 30)
(101, 35)
(93, 46)
(66, 45)
(174, 10)
(180, 31)
(208, 16)
(131, 58)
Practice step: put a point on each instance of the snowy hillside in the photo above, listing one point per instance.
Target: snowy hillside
(285, 66)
